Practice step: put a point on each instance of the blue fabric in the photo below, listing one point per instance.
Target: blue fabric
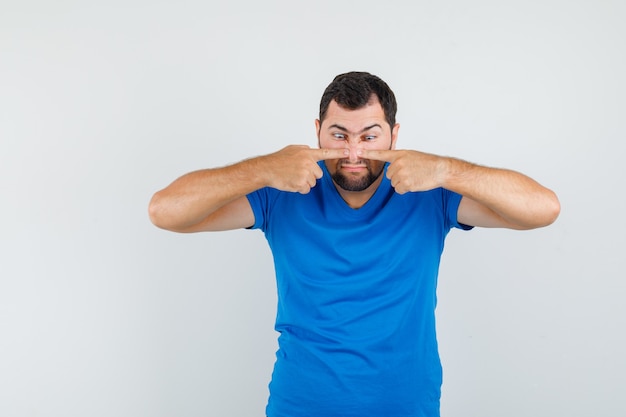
(356, 300)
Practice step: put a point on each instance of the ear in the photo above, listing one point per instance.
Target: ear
(318, 126)
(394, 135)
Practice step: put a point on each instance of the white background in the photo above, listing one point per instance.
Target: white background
(104, 103)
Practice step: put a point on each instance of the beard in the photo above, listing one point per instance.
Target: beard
(356, 183)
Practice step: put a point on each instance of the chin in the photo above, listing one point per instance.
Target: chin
(353, 183)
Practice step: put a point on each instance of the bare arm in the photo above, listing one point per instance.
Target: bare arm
(215, 199)
(209, 199)
(492, 197)
(495, 197)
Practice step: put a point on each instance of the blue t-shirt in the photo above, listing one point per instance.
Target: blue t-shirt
(356, 300)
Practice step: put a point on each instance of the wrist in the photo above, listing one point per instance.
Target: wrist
(255, 172)
(452, 172)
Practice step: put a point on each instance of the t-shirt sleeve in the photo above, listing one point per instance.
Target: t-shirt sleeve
(452, 201)
(260, 202)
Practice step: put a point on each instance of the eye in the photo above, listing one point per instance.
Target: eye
(339, 136)
(369, 138)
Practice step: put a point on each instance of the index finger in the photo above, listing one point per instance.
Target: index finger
(385, 155)
(329, 153)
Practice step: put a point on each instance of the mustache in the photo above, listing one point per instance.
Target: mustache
(364, 162)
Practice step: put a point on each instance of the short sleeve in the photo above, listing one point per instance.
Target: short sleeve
(452, 201)
(260, 202)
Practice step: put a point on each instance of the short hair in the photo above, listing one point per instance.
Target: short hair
(353, 90)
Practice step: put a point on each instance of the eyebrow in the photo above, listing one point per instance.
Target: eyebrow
(336, 126)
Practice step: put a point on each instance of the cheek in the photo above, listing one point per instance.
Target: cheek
(376, 166)
(331, 165)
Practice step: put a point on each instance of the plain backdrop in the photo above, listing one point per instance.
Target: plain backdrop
(104, 103)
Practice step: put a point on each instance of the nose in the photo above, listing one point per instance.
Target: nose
(354, 154)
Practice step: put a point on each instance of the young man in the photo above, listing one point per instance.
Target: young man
(356, 229)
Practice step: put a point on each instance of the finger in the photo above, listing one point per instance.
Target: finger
(305, 189)
(317, 171)
(379, 155)
(398, 188)
(329, 153)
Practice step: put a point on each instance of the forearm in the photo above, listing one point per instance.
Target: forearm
(193, 197)
(518, 200)
(193, 202)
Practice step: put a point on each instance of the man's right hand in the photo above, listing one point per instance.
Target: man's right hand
(215, 199)
(295, 169)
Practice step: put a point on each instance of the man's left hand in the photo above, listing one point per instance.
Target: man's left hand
(409, 170)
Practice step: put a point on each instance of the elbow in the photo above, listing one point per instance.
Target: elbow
(540, 214)
(163, 213)
(551, 208)
(156, 211)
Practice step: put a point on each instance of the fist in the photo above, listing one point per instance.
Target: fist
(295, 169)
(410, 171)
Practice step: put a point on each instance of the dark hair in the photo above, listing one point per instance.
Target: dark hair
(354, 90)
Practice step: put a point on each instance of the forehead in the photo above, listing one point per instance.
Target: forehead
(355, 120)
